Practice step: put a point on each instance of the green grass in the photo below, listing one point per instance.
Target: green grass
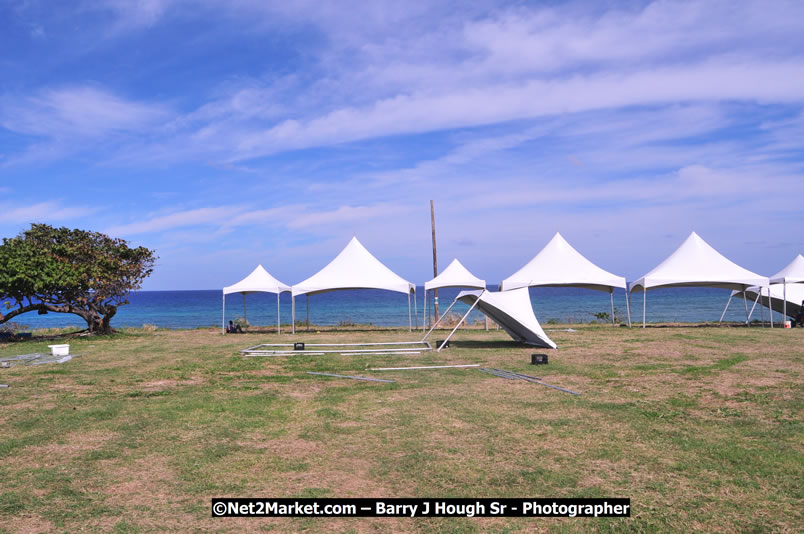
(700, 427)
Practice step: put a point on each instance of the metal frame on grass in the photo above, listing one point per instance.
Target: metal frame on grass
(472, 307)
(348, 348)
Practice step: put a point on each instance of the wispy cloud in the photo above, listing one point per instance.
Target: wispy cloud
(227, 218)
(195, 217)
(76, 111)
(346, 214)
(49, 211)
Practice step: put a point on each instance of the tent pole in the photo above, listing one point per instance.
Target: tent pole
(459, 323)
(410, 321)
(611, 295)
(223, 316)
(308, 312)
(245, 317)
(278, 325)
(761, 311)
(487, 322)
(424, 312)
(628, 304)
(770, 305)
(293, 314)
(784, 303)
(746, 307)
(416, 309)
(644, 297)
(726, 308)
(439, 320)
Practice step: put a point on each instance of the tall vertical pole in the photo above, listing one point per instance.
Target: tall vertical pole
(644, 298)
(745, 301)
(611, 296)
(410, 321)
(761, 307)
(223, 316)
(435, 259)
(278, 324)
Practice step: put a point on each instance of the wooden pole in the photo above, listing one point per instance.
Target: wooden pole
(435, 258)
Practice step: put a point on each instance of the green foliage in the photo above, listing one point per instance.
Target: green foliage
(89, 274)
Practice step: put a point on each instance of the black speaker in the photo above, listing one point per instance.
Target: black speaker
(538, 359)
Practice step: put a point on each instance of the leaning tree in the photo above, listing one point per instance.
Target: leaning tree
(89, 274)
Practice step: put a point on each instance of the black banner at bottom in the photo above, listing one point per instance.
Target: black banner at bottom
(522, 507)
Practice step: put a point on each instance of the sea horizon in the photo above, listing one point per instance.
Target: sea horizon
(188, 309)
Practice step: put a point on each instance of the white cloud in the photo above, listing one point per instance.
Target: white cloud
(82, 111)
(225, 219)
(346, 215)
(43, 212)
(196, 217)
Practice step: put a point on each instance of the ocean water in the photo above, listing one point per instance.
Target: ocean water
(192, 309)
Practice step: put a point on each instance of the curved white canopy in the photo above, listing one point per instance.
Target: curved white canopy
(258, 281)
(354, 268)
(513, 311)
(792, 274)
(559, 264)
(455, 275)
(696, 263)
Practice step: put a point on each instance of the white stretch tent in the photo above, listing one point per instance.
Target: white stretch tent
(558, 264)
(455, 275)
(354, 268)
(512, 310)
(696, 264)
(792, 274)
(258, 281)
(781, 298)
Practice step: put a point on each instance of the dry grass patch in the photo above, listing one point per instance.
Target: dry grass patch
(146, 427)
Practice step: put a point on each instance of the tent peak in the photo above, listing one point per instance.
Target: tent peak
(560, 264)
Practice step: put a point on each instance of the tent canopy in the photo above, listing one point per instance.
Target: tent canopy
(513, 311)
(354, 268)
(258, 281)
(696, 263)
(792, 274)
(455, 275)
(559, 264)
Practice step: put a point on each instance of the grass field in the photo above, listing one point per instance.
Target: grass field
(700, 427)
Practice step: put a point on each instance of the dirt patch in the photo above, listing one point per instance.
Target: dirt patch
(72, 445)
(160, 385)
(28, 524)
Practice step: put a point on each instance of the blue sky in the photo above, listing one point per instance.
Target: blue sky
(225, 134)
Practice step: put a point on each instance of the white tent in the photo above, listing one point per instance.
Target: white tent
(258, 281)
(781, 299)
(455, 275)
(558, 264)
(696, 264)
(792, 274)
(354, 268)
(510, 309)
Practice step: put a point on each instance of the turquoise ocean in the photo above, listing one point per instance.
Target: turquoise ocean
(202, 308)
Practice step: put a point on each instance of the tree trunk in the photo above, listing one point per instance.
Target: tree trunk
(97, 322)
(105, 326)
